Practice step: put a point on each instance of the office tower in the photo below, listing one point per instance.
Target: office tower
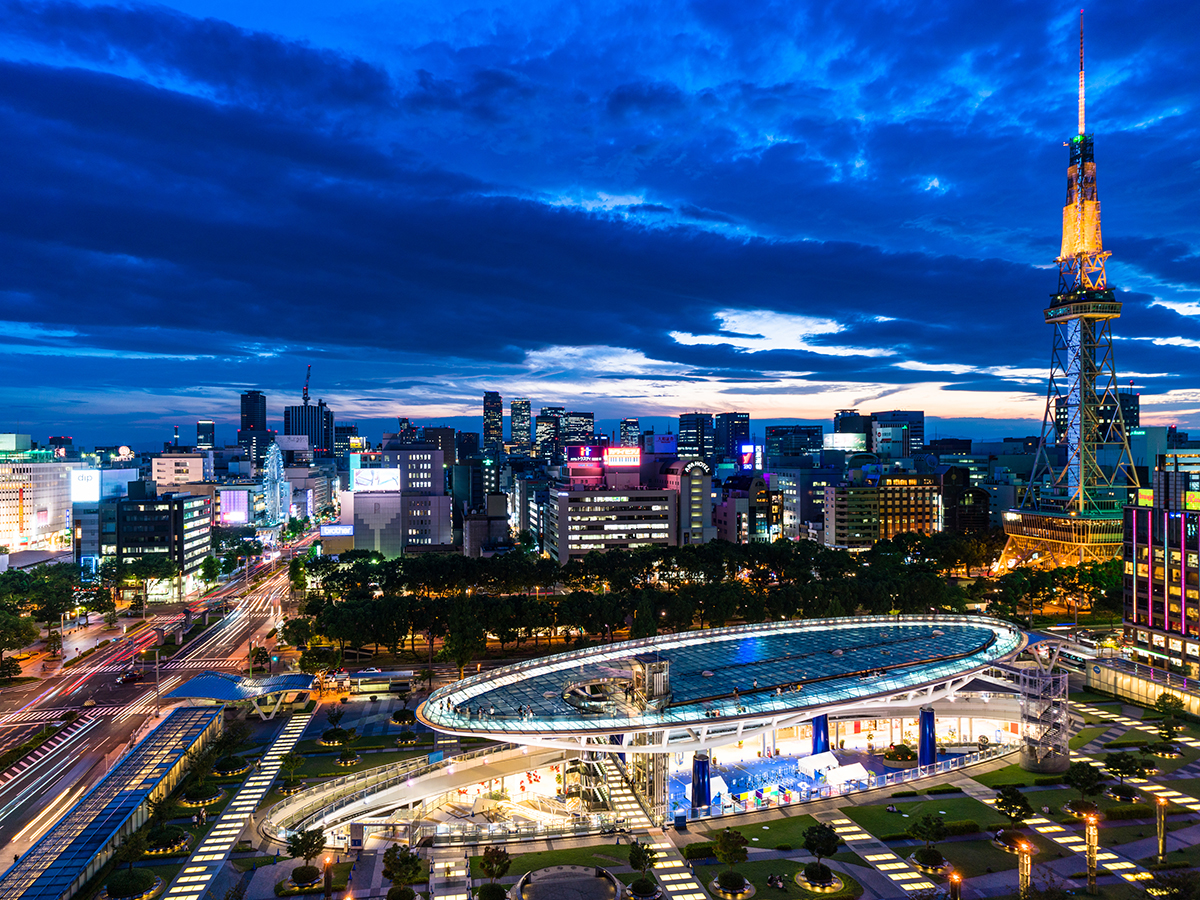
(897, 434)
(732, 429)
(1131, 414)
(696, 438)
(466, 445)
(578, 428)
(546, 436)
(792, 442)
(346, 439)
(1077, 517)
(254, 411)
(441, 437)
(850, 421)
(206, 435)
(631, 433)
(519, 422)
(493, 419)
(314, 421)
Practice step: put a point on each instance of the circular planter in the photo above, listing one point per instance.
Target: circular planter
(1129, 795)
(832, 888)
(348, 762)
(900, 763)
(1164, 753)
(718, 891)
(1086, 808)
(288, 790)
(944, 869)
(1012, 848)
(242, 771)
(196, 804)
(657, 893)
(179, 846)
(153, 891)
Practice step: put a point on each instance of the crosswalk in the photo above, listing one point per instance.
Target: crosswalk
(49, 747)
(200, 663)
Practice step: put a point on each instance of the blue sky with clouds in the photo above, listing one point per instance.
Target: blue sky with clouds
(635, 208)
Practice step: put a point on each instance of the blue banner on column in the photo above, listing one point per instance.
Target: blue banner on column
(820, 739)
(926, 738)
(701, 789)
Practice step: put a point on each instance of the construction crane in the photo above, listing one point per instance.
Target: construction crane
(307, 375)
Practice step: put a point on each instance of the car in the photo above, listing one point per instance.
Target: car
(369, 671)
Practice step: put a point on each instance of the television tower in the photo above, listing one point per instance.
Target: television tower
(1071, 512)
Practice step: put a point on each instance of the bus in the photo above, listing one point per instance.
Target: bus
(379, 682)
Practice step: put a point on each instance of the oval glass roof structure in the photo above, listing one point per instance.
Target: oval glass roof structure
(699, 689)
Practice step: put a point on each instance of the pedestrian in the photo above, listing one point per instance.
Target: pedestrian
(195, 820)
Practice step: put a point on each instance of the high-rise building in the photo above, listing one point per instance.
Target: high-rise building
(851, 421)
(346, 439)
(466, 445)
(631, 433)
(732, 430)
(1131, 414)
(314, 421)
(696, 438)
(897, 434)
(206, 435)
(792, 442)
(254, 411)
(519, 422)
(578, 428)
(493, 419)
(546, 436)
(441, 437)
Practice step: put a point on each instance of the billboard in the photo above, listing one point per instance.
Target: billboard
(663, 443)
(235, 507)
(85, 485)
(848, 441)
(374, 479)
(746, 457)
(622, 456)
(1145, 497)
(588, 455)
(1191, 499)
(338, 530)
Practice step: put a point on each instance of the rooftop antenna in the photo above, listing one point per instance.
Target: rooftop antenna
(1082, 130)
(307, 375)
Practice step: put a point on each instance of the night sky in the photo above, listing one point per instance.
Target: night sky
(637, 209)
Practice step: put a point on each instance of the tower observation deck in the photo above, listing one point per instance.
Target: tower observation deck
(1071, 513)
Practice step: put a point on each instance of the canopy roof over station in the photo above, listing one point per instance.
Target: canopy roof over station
(225, 688)
(700, 688)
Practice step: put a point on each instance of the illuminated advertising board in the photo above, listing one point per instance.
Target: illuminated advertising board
(747, 457)
(235, 507)
(1191, 499)
(845, 441)
(374, 479)
(85, 486)
(622, 456)
(586, 455)
(335, 530)
(1145, 497)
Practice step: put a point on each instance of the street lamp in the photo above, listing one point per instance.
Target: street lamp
(1093, 839)
(955, 886)
(1025, 867)
(1160, 809)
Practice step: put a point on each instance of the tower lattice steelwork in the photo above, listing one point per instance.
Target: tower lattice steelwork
(1071, 512)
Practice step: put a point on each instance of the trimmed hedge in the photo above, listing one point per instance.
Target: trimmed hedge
(905, 793)
(1120, 743)
(702, 850)
(945, 789)
(964, 826)
(901, 836)
(404, 892)
(1047, 781)
(786, 848)
(1016, 784)
(490, 891)
(1130, 811)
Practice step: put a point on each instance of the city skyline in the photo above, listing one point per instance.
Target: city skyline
(783, 214)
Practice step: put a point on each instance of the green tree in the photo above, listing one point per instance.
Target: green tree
(1169, 707)
(306, 845)
(641, 858)
(297, 577)
(54, 643)
(262, 656)
(1012, 804)
(298, 631)
(465, 638)
(930, 829)
(162, 811)
(401, 865)
(1174, 885)
(1124, 765)
(9, 668)
(496, 862)
(1085, 778)
(132, 849)
(731, 848)
(292, 762)
(210, 569)
(17, 632)
(821, 840)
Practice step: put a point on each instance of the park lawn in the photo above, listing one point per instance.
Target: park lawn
(606, 856)
(850, 858)
(374, 742)
(1138, 734)
(1085, 736)
(1012, 774)
(1190, 755)
(973, 858)
(341, 877)
(781, 830)
(1188, 786)
(247, 863)
(878, 821)
(756, 873)
(1091, 698)
(325, 765)
(1115, 835)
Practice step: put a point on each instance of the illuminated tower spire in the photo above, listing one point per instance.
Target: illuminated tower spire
(1071, 512)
